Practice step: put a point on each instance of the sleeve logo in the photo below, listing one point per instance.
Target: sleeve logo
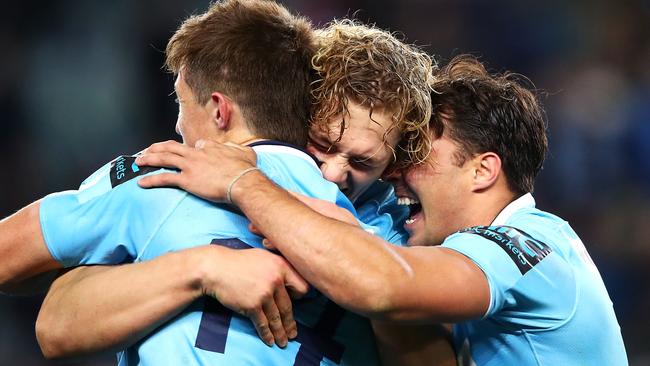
(522, 248)
(124, 169)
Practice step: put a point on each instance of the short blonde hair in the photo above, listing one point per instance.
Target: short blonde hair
(371, 67)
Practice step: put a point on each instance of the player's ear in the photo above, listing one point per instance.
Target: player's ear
(486, 168)
(221, 110)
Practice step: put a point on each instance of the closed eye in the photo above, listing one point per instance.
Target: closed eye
(321, 147)
(362, 164)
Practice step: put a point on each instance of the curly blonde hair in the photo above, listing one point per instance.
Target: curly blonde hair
(371, 67)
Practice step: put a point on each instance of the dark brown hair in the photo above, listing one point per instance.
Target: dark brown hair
(258, 54)
(371, 67)
(485, 112)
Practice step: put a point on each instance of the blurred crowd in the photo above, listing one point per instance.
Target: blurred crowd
(82, 82)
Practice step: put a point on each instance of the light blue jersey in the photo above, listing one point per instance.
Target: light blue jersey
(111, 220)
(548, 303)
(378, 210)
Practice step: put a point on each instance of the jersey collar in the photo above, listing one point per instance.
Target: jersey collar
(524, 201)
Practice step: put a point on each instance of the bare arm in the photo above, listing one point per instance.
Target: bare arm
(359, 270)
(355, 269)
(91, 309)
(24, 253)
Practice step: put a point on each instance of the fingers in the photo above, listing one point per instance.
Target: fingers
(162, 180)
(232, 144)
(261, 326)
(295, 284)
(253, 229)
(161, 159)
(285, 307)
(267, 244)
(202, 144)
(169, 146)
(274, 318)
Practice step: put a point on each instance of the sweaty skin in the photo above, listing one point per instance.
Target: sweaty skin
(355, 269)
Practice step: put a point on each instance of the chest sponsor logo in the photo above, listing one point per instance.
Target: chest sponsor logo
(522, 248)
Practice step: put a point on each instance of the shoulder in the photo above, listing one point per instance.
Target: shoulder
(294, 170)
(114, 182)
(523, 249)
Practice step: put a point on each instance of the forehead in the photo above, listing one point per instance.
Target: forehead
(443, 151)
(362, 131)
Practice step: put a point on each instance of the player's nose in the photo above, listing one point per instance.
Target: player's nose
(335, 171)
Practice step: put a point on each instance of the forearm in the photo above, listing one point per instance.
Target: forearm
(23, 250)
(90, 309)
(347, 264)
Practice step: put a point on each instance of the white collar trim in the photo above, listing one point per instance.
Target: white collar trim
(286, 150)
(524, 201)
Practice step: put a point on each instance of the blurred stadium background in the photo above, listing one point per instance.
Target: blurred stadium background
(81, 82)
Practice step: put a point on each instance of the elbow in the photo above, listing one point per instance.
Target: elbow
(50, 338)
(381, 302)
(373, 298)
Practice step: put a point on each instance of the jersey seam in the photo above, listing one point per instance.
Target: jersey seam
(532, 347)
(487, 276)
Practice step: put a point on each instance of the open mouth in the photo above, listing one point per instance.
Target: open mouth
(414, 208)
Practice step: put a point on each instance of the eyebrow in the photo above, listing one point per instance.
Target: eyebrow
(367, 159)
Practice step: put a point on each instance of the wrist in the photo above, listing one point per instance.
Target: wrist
(246, 184)
(209, 260)
(199, 265)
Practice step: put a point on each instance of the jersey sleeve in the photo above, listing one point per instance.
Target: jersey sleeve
(106, 221)
(282, 169)
(498, 252)
(531, 283)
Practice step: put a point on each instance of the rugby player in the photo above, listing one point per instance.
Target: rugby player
(230, 64)
(517, 281)
(378, 113)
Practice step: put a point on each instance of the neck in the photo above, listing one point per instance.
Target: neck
(250, 141)
(238, 136)
(486, 206)
(496, 204)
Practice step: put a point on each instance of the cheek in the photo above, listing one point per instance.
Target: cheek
(414, 177)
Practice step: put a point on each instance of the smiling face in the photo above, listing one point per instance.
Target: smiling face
(361, 154)
(437, 192)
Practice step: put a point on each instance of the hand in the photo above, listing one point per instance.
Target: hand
(256, 284)
(205, 170)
